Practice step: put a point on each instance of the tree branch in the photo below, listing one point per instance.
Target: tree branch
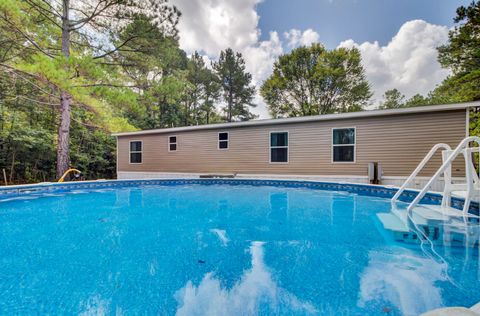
(28, 38)
(112, 85)
(43, 12)
(54, 11)
(116, 48)
(89, 125)
(96, 12)
(18, 72)
(32, 100)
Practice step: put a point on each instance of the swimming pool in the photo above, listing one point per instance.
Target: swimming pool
(221, 247)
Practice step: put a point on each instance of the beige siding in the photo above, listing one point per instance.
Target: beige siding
(398, 142)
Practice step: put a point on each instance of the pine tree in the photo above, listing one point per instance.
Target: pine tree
(238, 93)
(64, 50)
(205, 91)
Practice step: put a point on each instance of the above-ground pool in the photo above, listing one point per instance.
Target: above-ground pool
(224, 247)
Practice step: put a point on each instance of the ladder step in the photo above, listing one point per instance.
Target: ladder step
(463, 195)
(429, 224)
(437, 212)
(392, 222)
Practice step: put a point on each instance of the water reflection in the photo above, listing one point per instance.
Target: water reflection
(95, 306)
(402, 280)
(256, 292)
(409, 280)
(222, 235)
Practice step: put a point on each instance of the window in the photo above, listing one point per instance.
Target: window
(279, 147)
(343, 143)
(223, 140)
(136, 152)
(172, 143)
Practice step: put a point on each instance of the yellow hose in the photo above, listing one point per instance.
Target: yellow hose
(67, 172)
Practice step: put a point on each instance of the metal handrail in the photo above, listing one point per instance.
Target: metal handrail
(442, 169)
(419, 168)
(472, 165)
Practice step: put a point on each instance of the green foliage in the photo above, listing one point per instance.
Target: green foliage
(27, 136)
(475, 122)
(462, 56)
(462, 52)
(93, 150)
(204, 93)
(139, 79)
(237, 91)
(27, 149)
(417, 100)
(392, 99)
(313, 80)
(174, 90)
(458, 88)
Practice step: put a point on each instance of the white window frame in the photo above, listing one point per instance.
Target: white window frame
(343, 145)
(175, 143)
(270, 148)
(227, 140)
(130, 152)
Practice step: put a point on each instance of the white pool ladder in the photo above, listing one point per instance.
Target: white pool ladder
(470, 190)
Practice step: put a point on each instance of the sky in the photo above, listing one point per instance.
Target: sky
(397, 38)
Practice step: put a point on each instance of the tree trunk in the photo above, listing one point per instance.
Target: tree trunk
(230, 104)
(12, 167)
(63, 146)
(187, 110)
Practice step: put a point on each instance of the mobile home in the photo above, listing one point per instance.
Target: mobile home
(333, 147)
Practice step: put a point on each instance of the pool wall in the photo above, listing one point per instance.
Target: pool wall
(397, 181)
(7, 192)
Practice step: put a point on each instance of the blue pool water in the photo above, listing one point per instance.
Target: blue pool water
(220, 250)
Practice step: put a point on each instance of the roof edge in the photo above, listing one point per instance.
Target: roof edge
(313, 118)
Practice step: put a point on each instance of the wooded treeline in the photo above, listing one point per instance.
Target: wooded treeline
(72, 72)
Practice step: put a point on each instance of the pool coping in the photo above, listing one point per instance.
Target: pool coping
(408, 195)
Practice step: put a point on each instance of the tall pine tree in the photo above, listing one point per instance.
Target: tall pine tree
(205, 92)
(65, 51)
(238, 93)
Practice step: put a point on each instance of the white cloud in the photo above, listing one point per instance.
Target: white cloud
(404, 280)
(408, 63)
(210, 26)
(298, 38)
(213, 25)
(260, 58)
(259, 61)
(255, 288)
